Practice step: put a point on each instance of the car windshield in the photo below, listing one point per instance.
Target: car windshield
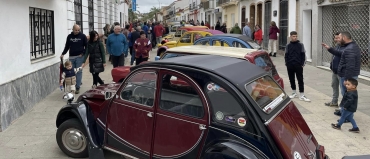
(266, 93)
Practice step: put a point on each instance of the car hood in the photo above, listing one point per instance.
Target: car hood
(170, 43)
(99, 92)
(292, 134)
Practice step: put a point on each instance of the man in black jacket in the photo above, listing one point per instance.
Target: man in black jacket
(295, 59)
(76, 44)
(134, 35)
(336, 52)
(350, 61)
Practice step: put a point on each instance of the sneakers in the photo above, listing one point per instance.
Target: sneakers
(93, 86)
(77, 91)
(304, 98)
(337, 113)
(294, 95)
(335, 126)
(355, 130)
(331, 104)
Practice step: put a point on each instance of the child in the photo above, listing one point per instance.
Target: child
(349, 105)
(142, 47)
(69, 77)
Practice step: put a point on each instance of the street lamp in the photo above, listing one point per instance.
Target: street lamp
(159, 4)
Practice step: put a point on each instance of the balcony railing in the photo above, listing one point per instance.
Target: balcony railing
(208, 5)
(220, 2)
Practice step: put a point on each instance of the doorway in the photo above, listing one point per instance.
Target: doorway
(243, 20)
(307, 33)
(252, 14)
(266, 29)
(259, 14)
(283, 24)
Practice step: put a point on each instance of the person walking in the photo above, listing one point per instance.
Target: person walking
(247, 30)
(350, 61)
(142, 48)
(224, 28)
(117, 46)
(95, 53)
(134, 35)
(236, 29)
(145, 28)
(258, 35)
(295, 60)
(337, 53)
(274, 30)
(159, 30)
(76, 44)
(349, 106)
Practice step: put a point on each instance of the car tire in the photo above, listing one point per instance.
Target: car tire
(71, 139)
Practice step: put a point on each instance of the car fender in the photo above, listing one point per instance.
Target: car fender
(160, 49)
(82, 113)
(230, 149)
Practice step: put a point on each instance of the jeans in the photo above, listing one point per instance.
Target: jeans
(118, 60)
(298, 72)
(140, 59)
(342, 86)
(335, 85)
(132, 57)
(77, 62)
(349, 116)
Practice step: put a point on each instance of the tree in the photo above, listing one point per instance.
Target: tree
(151, 14)
(132, 15)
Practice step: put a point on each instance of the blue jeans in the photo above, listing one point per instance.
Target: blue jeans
(132, 56)
(349, 116)
(77, 62)
(342, 86)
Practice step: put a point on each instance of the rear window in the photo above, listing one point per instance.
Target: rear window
(266, 93)
(171, 55)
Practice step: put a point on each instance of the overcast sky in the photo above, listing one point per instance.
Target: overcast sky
(143, 6)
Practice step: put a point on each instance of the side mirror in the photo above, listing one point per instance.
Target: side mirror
(157, 58)
(69, 97)
(108, 95)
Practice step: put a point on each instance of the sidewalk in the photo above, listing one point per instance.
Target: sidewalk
(33, 134)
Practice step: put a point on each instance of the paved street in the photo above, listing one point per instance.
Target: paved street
(33, 135)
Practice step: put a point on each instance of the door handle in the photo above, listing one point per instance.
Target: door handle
(202, 127)
(150, 114)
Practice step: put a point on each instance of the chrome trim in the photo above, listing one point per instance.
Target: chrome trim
(250, 145)
(101, 122)
(277, 113)
(125, 105)
(116, 136)
(118, 152)
(177, 118)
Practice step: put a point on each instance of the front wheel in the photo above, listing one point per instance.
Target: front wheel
(71, 139)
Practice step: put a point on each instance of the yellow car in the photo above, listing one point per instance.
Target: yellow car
(186, 39)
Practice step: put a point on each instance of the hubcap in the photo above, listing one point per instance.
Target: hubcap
(74, 140)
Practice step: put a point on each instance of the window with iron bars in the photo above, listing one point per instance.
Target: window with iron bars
(78, 13)
(41, 27)
(91, 14)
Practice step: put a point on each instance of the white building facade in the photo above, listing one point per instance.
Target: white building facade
(33, 46)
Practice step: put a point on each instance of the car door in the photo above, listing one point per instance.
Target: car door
(181, 118)
(185, 40)
(130, 117)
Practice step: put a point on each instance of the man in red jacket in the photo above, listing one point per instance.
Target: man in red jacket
(142, 47)
(159, 30)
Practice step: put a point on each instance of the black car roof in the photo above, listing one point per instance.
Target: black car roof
(237, 71)
(239, 36)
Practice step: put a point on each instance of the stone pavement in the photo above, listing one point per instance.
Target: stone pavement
(33, 134)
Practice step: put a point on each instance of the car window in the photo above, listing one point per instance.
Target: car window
(219, 43)
(186, 38)
(180, 97)
(265, 63)
(253, 44)
(140, 88)
(226, 109)
(266, 93)
(197, 36)
(171, 55)
(238, 45)
(178, 33)
(203, 42)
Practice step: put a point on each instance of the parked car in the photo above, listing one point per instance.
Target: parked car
(186, 39)
(228, 40)
(182, 29)
(225, 108)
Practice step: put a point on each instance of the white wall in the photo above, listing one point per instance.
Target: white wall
(15, 50)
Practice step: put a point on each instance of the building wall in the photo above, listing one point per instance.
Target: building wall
(24, 82)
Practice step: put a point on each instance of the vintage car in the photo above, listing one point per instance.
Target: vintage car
(224, 108)
(233, 40)
(181, 30)
(186, 39)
